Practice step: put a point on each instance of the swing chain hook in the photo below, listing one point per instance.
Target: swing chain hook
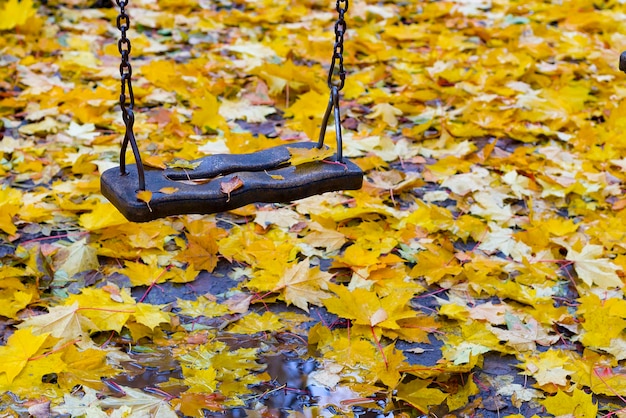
(126, 71)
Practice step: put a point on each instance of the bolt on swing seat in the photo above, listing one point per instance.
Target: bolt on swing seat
(265, 176)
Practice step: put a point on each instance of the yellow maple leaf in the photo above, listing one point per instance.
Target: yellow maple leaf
(308, 105)
(103, 215)
(7, 212)
(268, 251)
(358, 255)
(388, 113)
(254, 323)
(14, 294)
(603, 320)
(418, 394)
(577, 403)
(17, 352)
(303, 155)
(62, 322)
(461, 397)
(548, 367)
(141, 274)
(200, 380)
(367, 308)
(103, 312)
(435, 264)
(303, 285)
(207, 116)
(145, 196)
(592, 268)
(202, 248)
(137, 401)
(150, 315)
(388, 371)
(243, 109)
(76, 258)
(202, 306)
(168, 190)
(320, 236)
(31, 376)
(523, 335)
(192, 403)
(416, 329)
(287, 73)
(16, 13)
(83, 364)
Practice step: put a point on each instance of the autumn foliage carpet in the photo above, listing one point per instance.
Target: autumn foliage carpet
(479, 271)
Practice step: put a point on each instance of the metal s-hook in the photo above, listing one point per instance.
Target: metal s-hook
(333, 103)
(129, 120)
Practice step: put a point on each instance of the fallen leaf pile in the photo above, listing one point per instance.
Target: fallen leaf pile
(480, 270)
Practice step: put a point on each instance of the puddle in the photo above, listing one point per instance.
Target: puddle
(146, 371)
(291, 375)
(291, 390)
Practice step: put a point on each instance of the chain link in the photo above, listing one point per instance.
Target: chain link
(126, 70)
(336, 65)
(128, 116)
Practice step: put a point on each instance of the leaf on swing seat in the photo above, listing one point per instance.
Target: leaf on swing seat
(194, 182)
(168, 190)
(184, 164)
(230, 186)
(145, 196)
(154, 161)
(275, 176)
(304, 155)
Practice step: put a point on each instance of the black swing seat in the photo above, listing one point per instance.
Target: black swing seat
(265, 176)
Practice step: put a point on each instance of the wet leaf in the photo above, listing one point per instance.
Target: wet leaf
(62, 322)
(254, 323)
(168, 190)
(183, 164)
(592, 268)
(577, 403)
(76, 258)
(139, 402)
(418, 394)
(229, 186)
(16, 354)
(302, 285)
(304, 155)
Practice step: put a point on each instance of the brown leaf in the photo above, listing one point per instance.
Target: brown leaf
(230, 186)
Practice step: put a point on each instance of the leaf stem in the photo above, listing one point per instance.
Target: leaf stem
(44, 355)
(154, 283)
(620, 397)
(380, 348)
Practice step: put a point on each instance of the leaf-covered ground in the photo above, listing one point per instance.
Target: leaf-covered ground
(479, 271)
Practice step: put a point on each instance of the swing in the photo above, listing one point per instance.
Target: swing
(223, 182)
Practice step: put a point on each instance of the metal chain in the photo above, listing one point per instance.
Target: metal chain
(124, 47)
(337, 61)
(336, 69)
(128, 115)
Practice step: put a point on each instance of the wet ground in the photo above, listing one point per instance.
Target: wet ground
(289, 366)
